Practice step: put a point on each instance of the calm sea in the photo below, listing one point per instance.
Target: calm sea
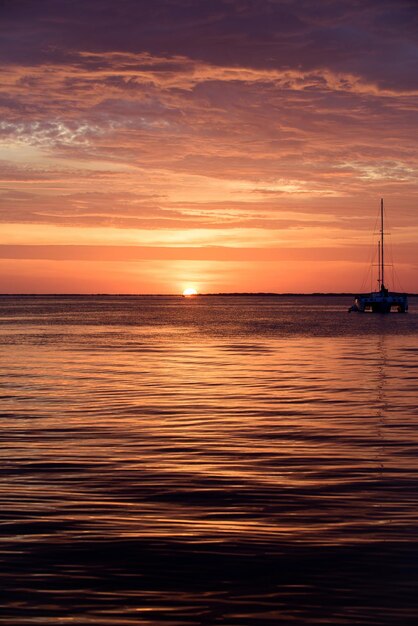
(211, 460)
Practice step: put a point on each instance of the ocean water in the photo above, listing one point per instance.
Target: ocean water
(209, 460)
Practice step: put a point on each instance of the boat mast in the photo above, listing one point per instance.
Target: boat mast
(379, 280)
(382, 260)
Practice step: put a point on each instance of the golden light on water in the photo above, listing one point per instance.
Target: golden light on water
(190, 291)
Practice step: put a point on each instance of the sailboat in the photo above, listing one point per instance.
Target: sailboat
(383, 300)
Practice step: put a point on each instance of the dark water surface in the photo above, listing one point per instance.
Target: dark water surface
(211, 460)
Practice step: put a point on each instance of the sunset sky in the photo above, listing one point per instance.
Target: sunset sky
(147, 146)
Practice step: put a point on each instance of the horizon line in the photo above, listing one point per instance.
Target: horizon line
(180, 295)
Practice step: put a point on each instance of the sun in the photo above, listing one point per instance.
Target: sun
(189, 292)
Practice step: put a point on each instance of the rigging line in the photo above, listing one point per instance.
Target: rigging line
(398, 280)
(388, 247)
(396, 283)
(371, 255)
(367, 276)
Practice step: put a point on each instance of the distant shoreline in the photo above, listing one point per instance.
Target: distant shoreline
(177, 295)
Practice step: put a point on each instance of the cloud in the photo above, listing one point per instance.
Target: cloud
(354, 37)
(232, 119)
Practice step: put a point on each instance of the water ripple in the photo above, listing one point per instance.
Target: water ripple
(207, 461)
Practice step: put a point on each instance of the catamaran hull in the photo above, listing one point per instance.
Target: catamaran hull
(378, 303)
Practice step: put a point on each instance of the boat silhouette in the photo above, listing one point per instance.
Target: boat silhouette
(383, 300)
